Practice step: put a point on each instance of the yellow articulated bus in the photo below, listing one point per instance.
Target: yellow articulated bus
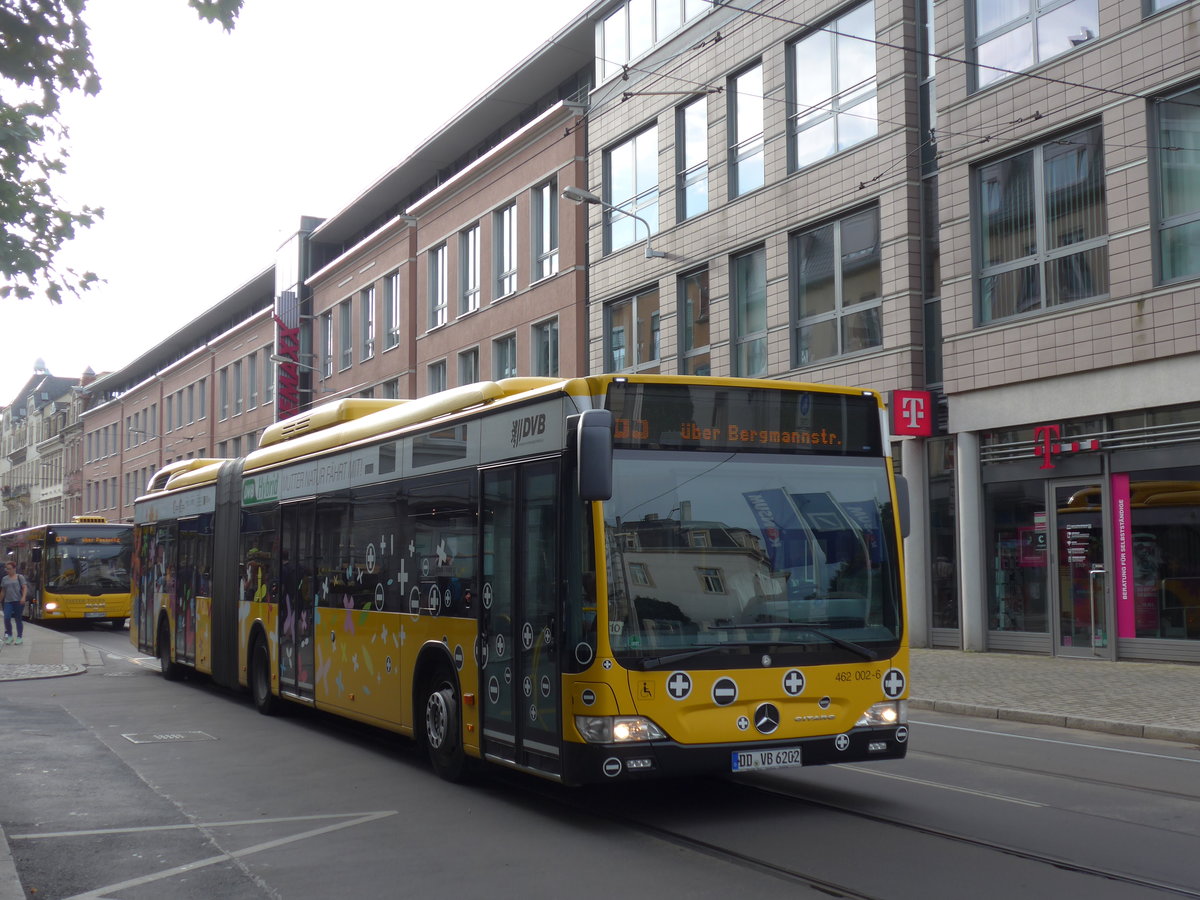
(588, 579)
(79, 570)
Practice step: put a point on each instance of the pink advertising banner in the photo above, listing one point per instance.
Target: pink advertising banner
(1122, 526)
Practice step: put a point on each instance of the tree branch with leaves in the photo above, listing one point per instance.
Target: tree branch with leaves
(44, 53)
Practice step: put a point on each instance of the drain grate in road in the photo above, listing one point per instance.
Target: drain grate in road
(167, 737)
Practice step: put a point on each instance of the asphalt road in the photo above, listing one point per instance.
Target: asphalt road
(117, 784)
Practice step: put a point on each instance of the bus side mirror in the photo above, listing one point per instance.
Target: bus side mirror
(902, 505)
(593, 459)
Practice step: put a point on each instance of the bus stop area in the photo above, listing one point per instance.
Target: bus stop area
(1150, 700)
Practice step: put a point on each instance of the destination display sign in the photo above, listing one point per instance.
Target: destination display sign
(734, 419)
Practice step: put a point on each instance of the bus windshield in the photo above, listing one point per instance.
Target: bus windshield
(750, 554)
(92, 562)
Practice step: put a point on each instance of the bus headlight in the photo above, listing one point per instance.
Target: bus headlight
(891, 712)
(617, 729)
(50, 606)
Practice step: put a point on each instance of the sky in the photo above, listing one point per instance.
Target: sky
(204, 148)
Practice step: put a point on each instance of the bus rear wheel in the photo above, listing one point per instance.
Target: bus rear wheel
(171, 670)
(260, 679)
(442, 731)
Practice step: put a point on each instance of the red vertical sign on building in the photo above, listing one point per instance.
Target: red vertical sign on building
(912, 413)
(1122, 526)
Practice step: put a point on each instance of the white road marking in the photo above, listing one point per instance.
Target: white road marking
(99, 893)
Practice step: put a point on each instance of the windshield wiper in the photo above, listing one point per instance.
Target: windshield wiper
(864, 652)
(651, 661)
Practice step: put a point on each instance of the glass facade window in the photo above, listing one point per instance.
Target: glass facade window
(691, 152)
(366, 323)
(747, 157)
(438, 287)
(545, 349)
(1017, 538)
(694, 334)
(631, 185)
(1042, 227)
(268, 374)
(223, 392)
(1014, 35)
(504, 357)
(251, 382)
(832, 94)
(635, 26)
(632, 333)
(837, 288)
(505, 246)
(1178, 202)
(545, 230)
(1153, 6)
(237, 388)
(326, 343)
(391, 311)
(750, 313)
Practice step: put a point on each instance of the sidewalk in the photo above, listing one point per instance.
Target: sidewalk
(43, 654)
(1149, 700)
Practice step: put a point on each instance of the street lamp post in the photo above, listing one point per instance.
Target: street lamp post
(579, 195)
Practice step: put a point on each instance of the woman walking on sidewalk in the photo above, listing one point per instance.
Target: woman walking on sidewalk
(13, 589)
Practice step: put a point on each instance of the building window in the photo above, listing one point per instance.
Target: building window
(746, 148)
(837, 284)
(436, 376)
(366, 323)
(691, 158)
(202, 398)
(639, 574)
(268, 373)
(191, 404)
(438, 288)
(391, 311)
(632, 333)
(327, 343)
(251, 381)
(832, 88)
(346, 333)
(1014, 35)
(635, 26)
(545, 349)
(1042, 232)
(468, 254)
(631, 185)
(711, 580)
(223, 390)
(504, 357)
(1178, 214)
(391, 389)
(468, 366)
(505, 225)
(237, 388)
(545, 230)
(1153, 6)
(750, 313)
(694, 357)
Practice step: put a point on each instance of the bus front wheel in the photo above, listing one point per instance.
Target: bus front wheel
(442, 732)
(260, 679)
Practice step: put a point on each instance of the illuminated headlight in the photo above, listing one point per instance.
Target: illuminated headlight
(617, 729)
(50, 606)
(892, 712)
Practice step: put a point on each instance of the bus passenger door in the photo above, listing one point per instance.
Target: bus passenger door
(296, 600)
(519, 616)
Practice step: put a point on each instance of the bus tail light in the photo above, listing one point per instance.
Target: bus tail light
(617, 729)
(890, 712)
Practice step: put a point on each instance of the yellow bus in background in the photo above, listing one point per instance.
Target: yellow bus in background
(589, 579)
(78, 570)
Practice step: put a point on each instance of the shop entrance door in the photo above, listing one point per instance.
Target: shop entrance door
(1079, 575)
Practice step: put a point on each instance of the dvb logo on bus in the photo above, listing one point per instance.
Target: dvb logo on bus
(527, 427)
